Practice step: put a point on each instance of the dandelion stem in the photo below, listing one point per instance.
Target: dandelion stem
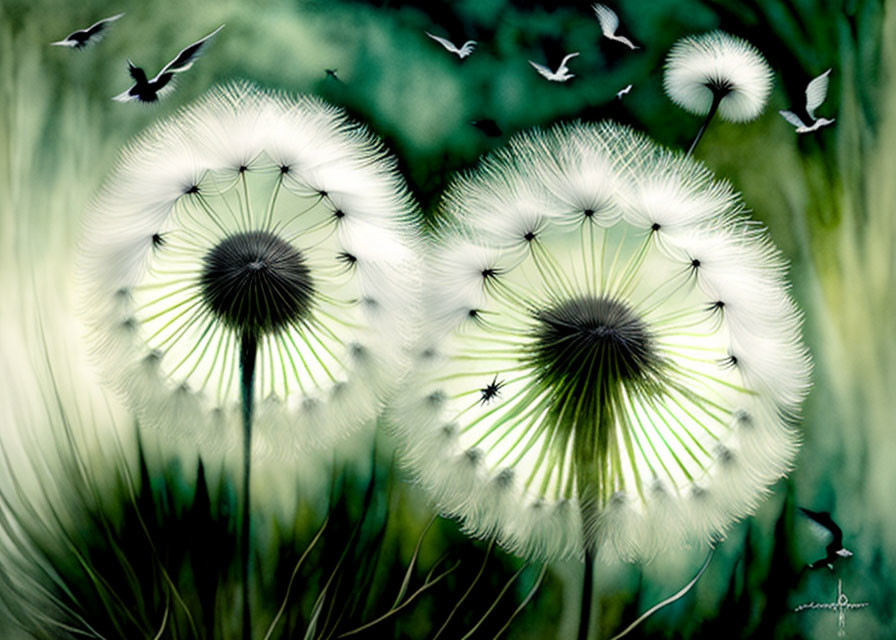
(588, 491)
(716, 101)
(587, 594)
(248, 351)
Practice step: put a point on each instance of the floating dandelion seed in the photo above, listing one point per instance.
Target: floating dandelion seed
(250, 216)
(717, 72)
(649, 353)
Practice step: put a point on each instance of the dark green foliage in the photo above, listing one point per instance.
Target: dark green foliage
(156, 556)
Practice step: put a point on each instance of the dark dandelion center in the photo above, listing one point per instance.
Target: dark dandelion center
(588, 353)
(256, 283)
(589, 345)
(720, 87)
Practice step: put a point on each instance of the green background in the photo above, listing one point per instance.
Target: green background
(829, 200)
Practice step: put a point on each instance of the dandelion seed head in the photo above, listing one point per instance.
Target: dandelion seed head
(619, 412)
(256, 283)
(259, 214)
(700, 68)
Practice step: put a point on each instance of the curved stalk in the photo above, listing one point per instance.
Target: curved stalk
(248, 351)
(716, 101)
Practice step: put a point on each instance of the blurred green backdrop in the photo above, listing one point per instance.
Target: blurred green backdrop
(829, 200)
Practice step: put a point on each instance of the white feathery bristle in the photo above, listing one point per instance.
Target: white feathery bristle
(544, 529)
(502, 222)
(584, 179)
(669, 194)
(228, 127)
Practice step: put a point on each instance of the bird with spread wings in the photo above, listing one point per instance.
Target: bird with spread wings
(816, 92)
(146, 90)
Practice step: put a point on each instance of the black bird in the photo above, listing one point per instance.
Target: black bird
(835, 549)
(491, 390)
(144, 90)
(93, 33)
(332, 74)
(488, 126)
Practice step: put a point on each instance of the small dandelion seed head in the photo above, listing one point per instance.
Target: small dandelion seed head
(358, 350)
(729, 361)
(593, 368)
(504, 478)
(346, 258)
(717, 65)
(473, 456)
(724, 454)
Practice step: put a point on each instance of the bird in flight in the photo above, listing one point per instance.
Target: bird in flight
(609, 23)
(93, 33)
(562, 73)
(461, 53)
(331, 73)
(835, 549)
(623, 92)
(144, 90)
(816, 92)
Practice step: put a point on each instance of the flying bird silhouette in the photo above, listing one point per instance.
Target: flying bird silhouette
(609, 23)
(491, 391)
(562, 73)
(623, 92)
(816, 92)
(461, 53)
(144, 90)
(835, 549)
(331, 73)
(92, 34)
(488, 126)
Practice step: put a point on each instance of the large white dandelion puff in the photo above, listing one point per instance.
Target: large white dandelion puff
(718, 67)
(611, 361)
(252, 221)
